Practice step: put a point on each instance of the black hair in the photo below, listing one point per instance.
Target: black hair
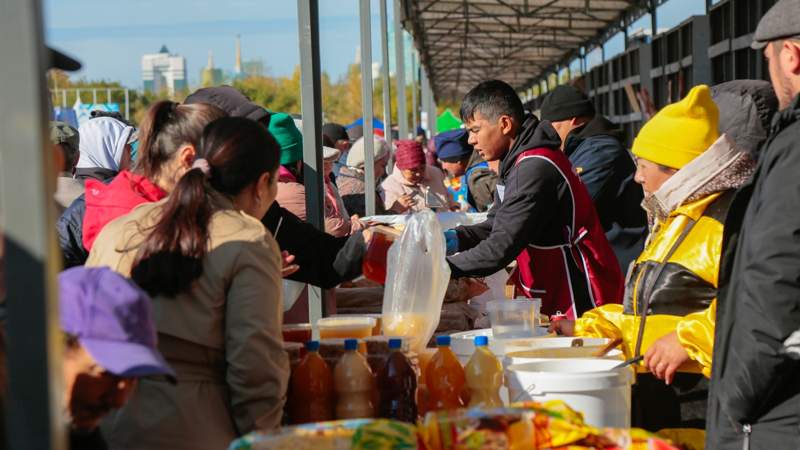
(166, 127)
(238, 151)
(493, 98)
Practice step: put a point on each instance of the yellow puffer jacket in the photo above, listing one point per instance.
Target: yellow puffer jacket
(683, 297)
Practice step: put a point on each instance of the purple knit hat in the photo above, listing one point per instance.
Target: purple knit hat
(113, 320)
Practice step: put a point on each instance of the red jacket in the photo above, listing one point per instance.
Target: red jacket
(106, 202)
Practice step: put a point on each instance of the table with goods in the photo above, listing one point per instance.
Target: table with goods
(386, 382)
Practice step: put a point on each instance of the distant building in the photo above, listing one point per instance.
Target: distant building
(163, 70)
(253, 68)
(211, 76)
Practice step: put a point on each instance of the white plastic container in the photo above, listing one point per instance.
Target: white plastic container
(513, 319)
(590, 386)
(463, 346)
(544, 354)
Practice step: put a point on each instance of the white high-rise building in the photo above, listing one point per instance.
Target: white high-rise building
(163, 70)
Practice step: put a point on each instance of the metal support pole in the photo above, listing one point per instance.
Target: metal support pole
(64, 98)
(366, 105)
(311, 104)
(653, 18)
(400, 73)
(108, 95)
(414, 108)
(94, 96)
(34, 402)
(127, 106)
(387, 85)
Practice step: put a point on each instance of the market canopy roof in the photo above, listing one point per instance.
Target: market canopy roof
(463, 42)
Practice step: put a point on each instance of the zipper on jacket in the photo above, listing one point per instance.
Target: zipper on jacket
(746, 429)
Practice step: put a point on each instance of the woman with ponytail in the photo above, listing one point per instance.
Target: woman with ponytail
(214, 273)
(168, 139)
(167, 145)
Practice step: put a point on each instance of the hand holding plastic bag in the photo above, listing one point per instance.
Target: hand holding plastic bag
(416, 281)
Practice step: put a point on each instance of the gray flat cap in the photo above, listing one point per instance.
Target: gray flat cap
(780, 22)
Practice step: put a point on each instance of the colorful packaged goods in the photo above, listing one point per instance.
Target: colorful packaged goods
(354, 384)
(526, 426)
(484, 374)
(337, 435)
(385, 434)
(397, 386)
(444, 378)
(311, 391)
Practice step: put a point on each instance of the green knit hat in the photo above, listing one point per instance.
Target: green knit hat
(283, 129)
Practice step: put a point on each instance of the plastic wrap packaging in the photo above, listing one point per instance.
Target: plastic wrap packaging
(416, 281)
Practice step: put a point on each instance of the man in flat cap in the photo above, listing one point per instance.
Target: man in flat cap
(754, 402)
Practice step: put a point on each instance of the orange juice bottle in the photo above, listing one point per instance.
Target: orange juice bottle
(444, 378)
(311, 388)
(354, 384)
(484, 376)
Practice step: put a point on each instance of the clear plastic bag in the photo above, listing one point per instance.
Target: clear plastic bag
(416, 281)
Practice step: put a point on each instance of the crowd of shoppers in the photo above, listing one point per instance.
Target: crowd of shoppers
(183, 229)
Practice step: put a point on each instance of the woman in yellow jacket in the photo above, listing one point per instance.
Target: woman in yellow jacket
(688, 172)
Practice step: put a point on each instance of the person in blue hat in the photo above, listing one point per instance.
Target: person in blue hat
(471, 181)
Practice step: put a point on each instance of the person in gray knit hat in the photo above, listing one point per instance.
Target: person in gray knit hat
(66, 140)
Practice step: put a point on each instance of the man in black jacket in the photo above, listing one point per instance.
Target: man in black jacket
(755, 387)
(594, 147)
(542, 215)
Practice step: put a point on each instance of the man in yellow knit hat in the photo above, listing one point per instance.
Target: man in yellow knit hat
(688, 173)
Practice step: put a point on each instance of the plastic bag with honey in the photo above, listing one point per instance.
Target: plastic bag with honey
(416, 281)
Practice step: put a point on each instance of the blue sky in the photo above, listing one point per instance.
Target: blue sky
(109, 36)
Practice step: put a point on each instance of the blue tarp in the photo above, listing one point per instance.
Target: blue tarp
(376, 124)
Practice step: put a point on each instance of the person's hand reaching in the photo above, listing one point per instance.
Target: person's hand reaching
(665, 356)
(563, 327)
(288, 268)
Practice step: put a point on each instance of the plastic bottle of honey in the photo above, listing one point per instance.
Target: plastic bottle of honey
(444, 377)
(484, 376)
(354, 384)
(311, 388)
(397, 385)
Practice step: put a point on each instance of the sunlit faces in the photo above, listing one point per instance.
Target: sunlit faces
(414, 175)
(651, 175)
(91, 392)
(491, 138)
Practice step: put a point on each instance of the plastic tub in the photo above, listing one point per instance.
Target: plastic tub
(357, 327)
(541, 354)
(376, 330)
(296, 332)
(590, 386)
(512, 319)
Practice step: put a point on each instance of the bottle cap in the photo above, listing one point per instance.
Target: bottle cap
(481, 341)
(351, 344)
(312, 346)
(443, 341)
(395, 344)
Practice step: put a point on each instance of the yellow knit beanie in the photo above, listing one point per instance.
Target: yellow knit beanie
(681, 131)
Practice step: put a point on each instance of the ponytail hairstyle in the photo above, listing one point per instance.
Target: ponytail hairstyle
(166, 127)
(235, 153)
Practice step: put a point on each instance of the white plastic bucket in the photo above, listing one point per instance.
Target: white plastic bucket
(545, 354)
(590, 386)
